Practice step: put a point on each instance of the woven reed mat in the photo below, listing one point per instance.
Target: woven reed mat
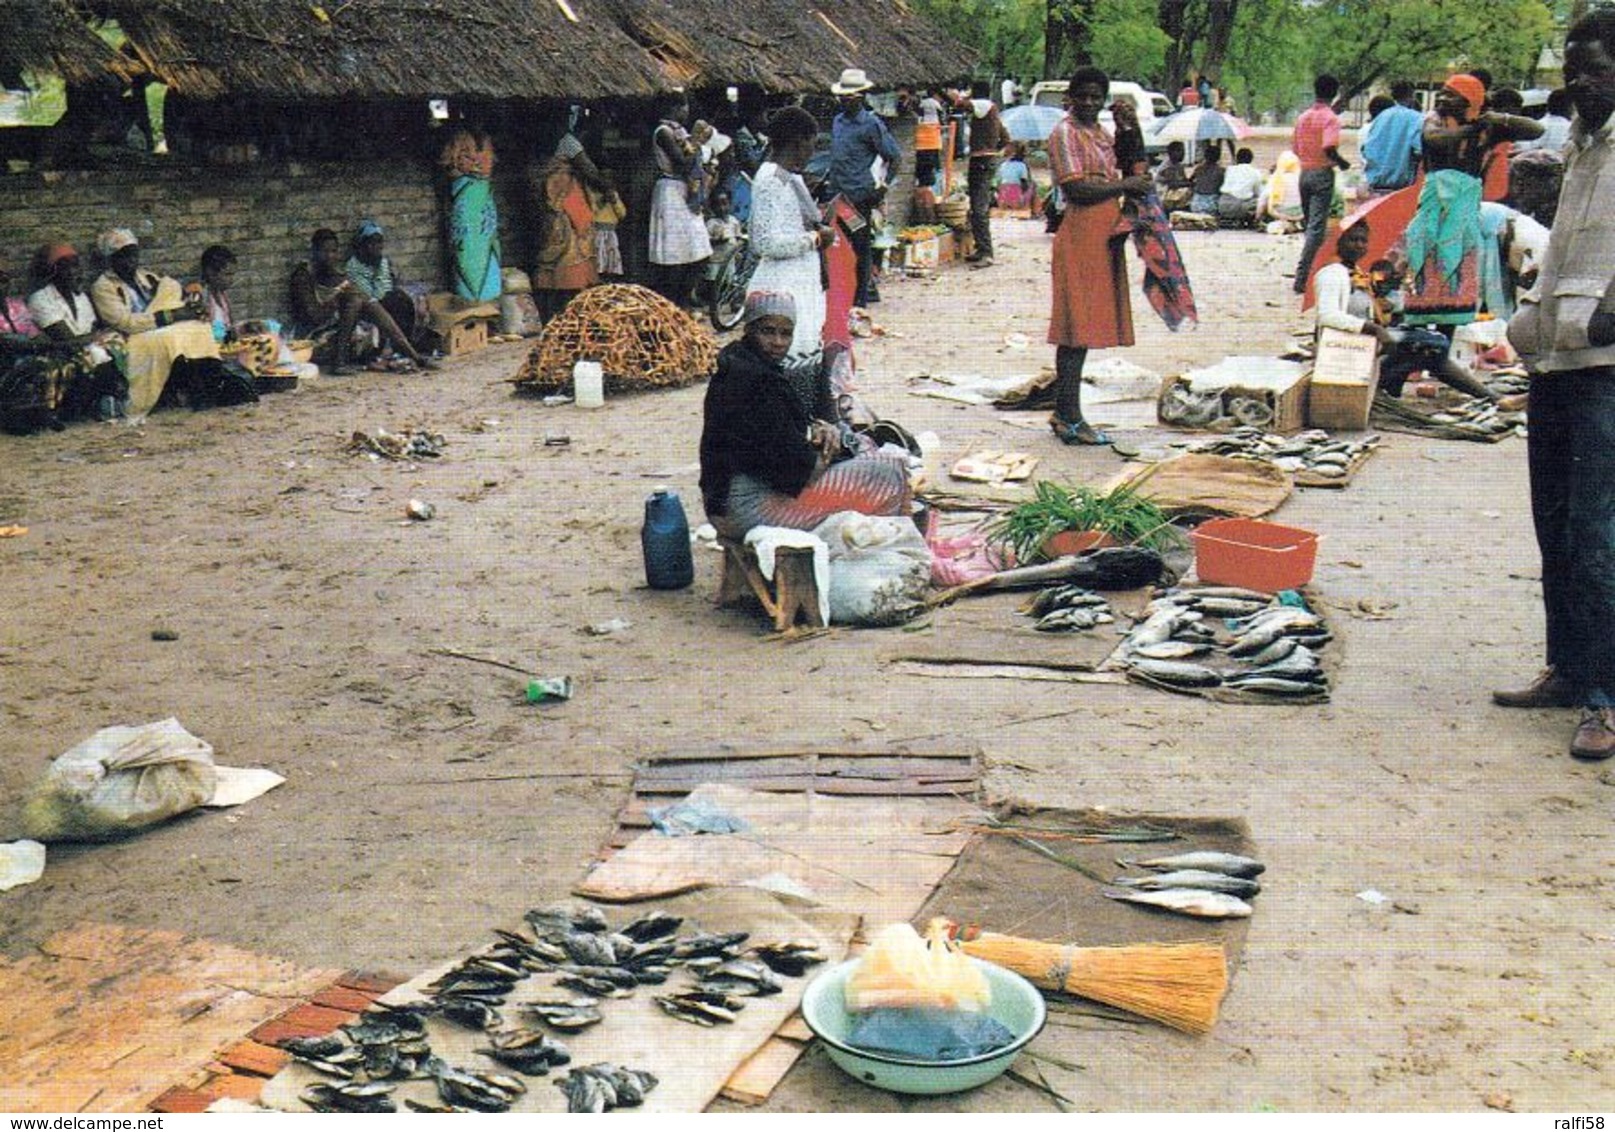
(1200, 483)
(640, 339)
(1003, 885)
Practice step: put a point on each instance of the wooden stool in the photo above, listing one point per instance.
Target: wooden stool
(793, 593)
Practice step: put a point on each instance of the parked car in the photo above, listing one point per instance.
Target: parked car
(1151, 105)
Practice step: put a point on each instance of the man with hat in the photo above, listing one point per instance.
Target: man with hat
(857, 137)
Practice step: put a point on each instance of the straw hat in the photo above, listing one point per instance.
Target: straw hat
(852, 81)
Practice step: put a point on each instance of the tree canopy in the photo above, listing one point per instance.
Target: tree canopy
(1265, 51)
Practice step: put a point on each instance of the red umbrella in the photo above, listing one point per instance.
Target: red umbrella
(1387, 218)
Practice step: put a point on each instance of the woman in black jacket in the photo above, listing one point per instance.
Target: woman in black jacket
(764, 460)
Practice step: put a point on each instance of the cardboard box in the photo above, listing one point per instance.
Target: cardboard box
(1345, 376)
(1289, 406)
(464, 337)
(923, 253)
(947, 247)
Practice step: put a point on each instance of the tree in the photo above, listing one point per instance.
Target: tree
(1007, 34)
(1126, 43)
(1188, 24)
(1367, 41)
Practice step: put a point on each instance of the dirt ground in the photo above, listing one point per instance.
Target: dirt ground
(426, 802)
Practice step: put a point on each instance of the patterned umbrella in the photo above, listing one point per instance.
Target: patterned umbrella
(1031, 123)
(1198, 124)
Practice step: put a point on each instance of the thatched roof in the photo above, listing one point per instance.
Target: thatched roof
(789, 46)
(50, 36)
(298, 49)
(290, 50)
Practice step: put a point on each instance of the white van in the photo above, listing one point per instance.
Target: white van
(1150, 104)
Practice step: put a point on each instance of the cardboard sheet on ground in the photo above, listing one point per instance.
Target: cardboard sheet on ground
(987, 630)
(105, 1018)
(1199, 483)
(1004, 886)
(691, 1062)
(875, 856)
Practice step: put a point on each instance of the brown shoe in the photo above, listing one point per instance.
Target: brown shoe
(1595, 738)
(1548, 690)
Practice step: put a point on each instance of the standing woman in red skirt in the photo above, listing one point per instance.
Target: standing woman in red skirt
(1091, 309)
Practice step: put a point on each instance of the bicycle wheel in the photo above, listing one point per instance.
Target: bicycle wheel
(729, 289)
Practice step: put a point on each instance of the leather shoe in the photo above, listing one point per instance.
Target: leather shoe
(1595, 738)
(1549, 689)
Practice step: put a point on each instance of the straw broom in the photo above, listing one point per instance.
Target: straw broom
(1178, 984)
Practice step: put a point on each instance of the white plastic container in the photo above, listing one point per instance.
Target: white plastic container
(588, 385)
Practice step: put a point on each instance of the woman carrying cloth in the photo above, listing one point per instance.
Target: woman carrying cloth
(765, 461)
(473, 217)
(159, 326)
(1451, 254)
(1091, 308)
(567, 257)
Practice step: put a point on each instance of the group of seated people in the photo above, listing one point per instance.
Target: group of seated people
(1232, 194)
(132, 340)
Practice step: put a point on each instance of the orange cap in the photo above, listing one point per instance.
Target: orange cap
(1472, 90)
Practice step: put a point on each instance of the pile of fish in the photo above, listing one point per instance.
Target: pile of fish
(1477, 415)
(1507, 381)
(1226, 637)
(1062, 609)
(586, 958)
(397, 446)
(1313, 451)
(1203, 883)
(603, 1086)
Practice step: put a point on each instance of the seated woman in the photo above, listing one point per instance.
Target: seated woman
(1367, 302)
(327, 308)
(1207, 180)
(255, 344)
(160, 327)
(82, 373)
(371, 273)
(764, 460)
(1015, 189)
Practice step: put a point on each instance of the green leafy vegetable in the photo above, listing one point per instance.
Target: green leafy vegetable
(1121, 512)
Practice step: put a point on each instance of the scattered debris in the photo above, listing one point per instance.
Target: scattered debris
(21, 862)
(396, 446)
(420, 510)
(551, 689)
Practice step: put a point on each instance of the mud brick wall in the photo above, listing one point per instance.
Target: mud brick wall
(263, 212)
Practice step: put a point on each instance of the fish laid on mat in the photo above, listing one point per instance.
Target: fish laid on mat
(1229, 864)
(1241, 887)
(1186, 902)
(1178, 673)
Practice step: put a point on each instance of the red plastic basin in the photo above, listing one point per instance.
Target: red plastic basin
(1252, 554)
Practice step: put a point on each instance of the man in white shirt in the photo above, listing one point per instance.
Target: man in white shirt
(1241, 189)
(1565, 332)
(1555, 126)
(1366, 302)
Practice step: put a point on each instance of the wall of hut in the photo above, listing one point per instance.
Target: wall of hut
(263, 213)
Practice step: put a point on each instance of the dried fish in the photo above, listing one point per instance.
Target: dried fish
(1230, 864)
(1241, 887)
(788, 958)
(1185, 901)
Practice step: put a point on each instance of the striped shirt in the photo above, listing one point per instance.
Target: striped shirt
(1077, 151)
(1316, 130)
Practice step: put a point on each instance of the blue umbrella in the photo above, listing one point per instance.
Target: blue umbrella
(1199, 124)
(1031, 123)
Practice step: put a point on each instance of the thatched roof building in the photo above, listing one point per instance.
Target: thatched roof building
(51, 36)
(291, 50)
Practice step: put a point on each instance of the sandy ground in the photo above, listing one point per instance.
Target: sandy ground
(425, 802)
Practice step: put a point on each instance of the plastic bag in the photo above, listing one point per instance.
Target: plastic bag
(901, 969)
(118, 781)
(880, 568)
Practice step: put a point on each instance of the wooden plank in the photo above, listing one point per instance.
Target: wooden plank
(306, 1021)
(104, 1018)
(796, 1028)
(762, 1072)
(833, 749)
(877, 789)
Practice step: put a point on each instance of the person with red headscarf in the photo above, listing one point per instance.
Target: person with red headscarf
(1452, 259)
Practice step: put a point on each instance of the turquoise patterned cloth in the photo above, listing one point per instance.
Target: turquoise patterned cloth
(474, 235)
